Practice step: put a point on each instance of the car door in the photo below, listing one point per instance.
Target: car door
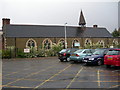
(85, 53)
(88, 52)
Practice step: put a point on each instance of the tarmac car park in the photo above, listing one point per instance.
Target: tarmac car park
(49, 73)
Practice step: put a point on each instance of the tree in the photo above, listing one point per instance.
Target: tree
(116, 33)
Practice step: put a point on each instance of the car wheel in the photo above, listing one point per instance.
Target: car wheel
(67, 59)
(61, 60)
(108, 66)
(86, 64)
(75, 61)
(99, 62)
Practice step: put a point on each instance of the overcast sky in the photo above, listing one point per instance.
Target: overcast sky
(104, 13)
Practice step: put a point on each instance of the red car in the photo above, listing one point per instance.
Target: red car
(112, 58)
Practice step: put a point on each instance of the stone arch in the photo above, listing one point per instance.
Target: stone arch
(101, 43)
(62, 42)
(75, 41)
(115, 42)
(47, 43)
(31, 43)
(88, 42)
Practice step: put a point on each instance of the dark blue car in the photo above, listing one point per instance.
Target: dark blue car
(97, 58)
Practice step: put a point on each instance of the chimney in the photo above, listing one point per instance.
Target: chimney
(95, 26)
(5, 21)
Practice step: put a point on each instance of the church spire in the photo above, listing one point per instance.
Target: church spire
(82, 20)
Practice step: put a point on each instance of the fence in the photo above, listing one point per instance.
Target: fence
(11, 52)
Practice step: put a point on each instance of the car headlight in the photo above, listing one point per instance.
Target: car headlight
(99, 58)
(91, 58)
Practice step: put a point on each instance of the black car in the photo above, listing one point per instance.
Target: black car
(97, 58)
(64, 54)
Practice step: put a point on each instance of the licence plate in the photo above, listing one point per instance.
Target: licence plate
(73, 55)
(110, 58)
(89, 61)
(60, 55)
(85, 60)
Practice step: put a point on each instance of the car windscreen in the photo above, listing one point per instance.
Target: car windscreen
(113, 52)
(79, 51)
(99, 52)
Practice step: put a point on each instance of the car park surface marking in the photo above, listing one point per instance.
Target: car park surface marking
(74, 77)
(96, 81)
(114, 86)
(10, 73)
(16, 86)
(45, 71)
(31, 74)
(98, 73)
(52, 76)
(20, 70)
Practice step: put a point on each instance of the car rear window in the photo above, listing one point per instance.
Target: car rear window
(71, 50)
(64, 50)
(113, 52)
(68, 50)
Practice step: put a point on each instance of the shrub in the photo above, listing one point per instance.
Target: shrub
(6, 53)
(41, 53)
(0, 53)
(56, 49)
(20, 54)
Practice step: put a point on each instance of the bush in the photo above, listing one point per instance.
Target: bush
(6, 53)
(41, 53)
(10, 52)
(0, 53)
(56, 49)
(20, 54)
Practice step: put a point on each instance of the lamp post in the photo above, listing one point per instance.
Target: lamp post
(65, 36)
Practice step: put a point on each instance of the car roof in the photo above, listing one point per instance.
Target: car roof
(115, 49)
(71, 48)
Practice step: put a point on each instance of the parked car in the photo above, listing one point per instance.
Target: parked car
(112, 58)
(64, 54)
(78, 55)
(97, 58)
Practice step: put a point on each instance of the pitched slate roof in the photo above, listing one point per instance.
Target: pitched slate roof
(53, 31)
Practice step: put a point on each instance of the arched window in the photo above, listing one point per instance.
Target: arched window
(31, 43)
(88, 42)
(62, 42)
(75, 43)
(101, 43)
(47, 44)
(115, 42)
